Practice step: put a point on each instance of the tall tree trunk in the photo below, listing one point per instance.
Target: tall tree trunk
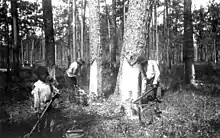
(164, 33)
(133, 47)
(69, 30)
(155, 30)
(175, 34)
(152, 45)
(148, 26)
(123, 19)
(95, 85)
(49, 37)
(8, 49)
(188, 42)
(109, 33)
(83, 8)
(74, 48)
(168, 33)
(214, 26)
(113, 38)
(16, 43)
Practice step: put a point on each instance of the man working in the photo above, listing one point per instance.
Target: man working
(151, 73)
(72, 73)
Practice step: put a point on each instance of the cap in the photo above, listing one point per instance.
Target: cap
(80, 61)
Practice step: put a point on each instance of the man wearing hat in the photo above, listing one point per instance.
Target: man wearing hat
(72, 73)
(151, 74)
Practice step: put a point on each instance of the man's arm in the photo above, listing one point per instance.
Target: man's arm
(73, 69)
(143, 73)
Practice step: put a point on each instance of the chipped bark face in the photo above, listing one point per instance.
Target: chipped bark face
(93, 84)
(96, 48)
(129, 83)
(128, 86)
(134, 46)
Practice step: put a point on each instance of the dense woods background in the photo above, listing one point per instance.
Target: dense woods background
(71, 31)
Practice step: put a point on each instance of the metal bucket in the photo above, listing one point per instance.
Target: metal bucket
(74, 133)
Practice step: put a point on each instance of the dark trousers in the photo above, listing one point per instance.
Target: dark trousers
(70, 81)
(151, 99)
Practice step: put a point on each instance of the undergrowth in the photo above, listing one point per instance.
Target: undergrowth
(186, 112)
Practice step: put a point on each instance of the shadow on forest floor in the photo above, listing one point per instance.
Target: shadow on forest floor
(186, 112)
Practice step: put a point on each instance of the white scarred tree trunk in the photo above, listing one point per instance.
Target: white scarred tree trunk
(134, 46)
(95, 84)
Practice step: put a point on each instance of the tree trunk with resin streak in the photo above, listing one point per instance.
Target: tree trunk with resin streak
(188, 50)
(95, 84)
(49, 37)
(133, 47)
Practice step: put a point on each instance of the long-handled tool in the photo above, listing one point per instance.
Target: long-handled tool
(42, 114)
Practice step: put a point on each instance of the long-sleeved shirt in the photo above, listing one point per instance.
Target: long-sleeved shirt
(73, 69)
(152, 71)
(42, 93)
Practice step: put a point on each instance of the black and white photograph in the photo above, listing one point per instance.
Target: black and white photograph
(109, 68)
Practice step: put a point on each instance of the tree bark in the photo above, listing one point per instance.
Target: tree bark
(49, 37)
(83, 8)
(123, 19)
(69, 28)
(16, 43)
(95, 42)
(74, 48)
(168, 34)
(155, 29)
(114, 38)
(8, 51)
(133, 47)
(214, 26)
(188, 42)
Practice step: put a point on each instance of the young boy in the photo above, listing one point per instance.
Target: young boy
(43, 92)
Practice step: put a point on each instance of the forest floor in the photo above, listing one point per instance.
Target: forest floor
(187, 111)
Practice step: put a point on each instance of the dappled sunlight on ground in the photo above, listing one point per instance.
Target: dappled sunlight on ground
(184, 114)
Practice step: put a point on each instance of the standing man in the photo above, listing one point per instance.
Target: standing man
(72, 73)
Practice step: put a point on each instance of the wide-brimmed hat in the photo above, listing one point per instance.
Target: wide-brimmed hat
(80, 61)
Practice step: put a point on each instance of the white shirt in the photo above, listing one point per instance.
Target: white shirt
(72, 70)
(42, 93)
(153, 71)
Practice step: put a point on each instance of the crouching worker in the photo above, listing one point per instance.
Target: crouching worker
(43, 92)
(151, 73)
(71, 79)
(72, 73)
